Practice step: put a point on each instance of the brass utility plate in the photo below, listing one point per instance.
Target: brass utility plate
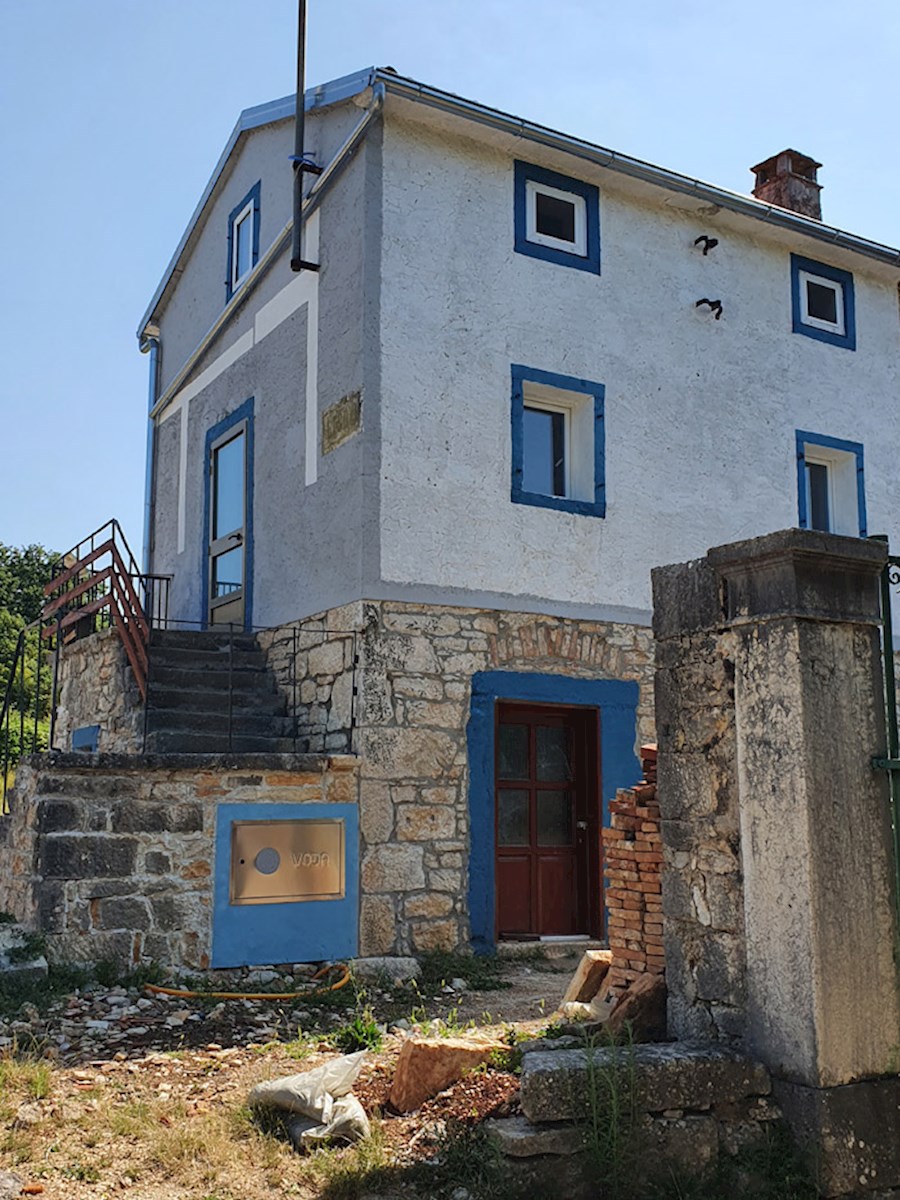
(276, 862)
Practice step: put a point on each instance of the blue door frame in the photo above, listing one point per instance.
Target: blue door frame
(619, 767)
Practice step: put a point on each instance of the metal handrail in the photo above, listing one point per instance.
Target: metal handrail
(118, 587)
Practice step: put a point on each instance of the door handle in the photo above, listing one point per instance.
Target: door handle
(581, 824)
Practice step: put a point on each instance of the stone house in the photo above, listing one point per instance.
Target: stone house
(431, 472)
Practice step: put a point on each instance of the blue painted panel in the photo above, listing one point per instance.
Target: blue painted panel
(244, 413)
(305, 931)
(619, 767)
(87, 738)
(523, 172)
(804, 439)
(845, 280)
(585, 508)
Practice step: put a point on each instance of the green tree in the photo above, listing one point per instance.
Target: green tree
(23, 574)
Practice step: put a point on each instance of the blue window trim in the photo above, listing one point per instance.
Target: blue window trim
(804, 439)
(244, 413)
(590, 194)
(586, 508)
(253, 195)
(844, 279)
(619, 768)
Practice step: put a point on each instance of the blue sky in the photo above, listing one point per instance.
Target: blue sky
(115, 111)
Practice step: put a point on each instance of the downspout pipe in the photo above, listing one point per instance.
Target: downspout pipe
(150, 345)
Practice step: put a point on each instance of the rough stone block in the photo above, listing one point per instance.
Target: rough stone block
(87, 857)
(129, 912)
(435, 935)
(589, 974)
(425, 823)
(393, 869)
(666, 1076)
(54, 816)
(853, 1132)
(157, 863)
(377, 925)
(397, 969)
(428, 1065)
(518, 1138)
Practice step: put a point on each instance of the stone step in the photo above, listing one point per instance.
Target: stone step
(242, 678)
(214, 700)
(216, 659)
(557, 1084)
(198, 720)
(209, 639)
(176, 741)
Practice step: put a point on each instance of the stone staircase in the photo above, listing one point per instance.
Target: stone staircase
(212, 692)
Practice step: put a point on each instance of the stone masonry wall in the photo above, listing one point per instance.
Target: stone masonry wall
(417, 666)
(316, 664)
(632, 848)
(97, 687)
(112, 856)
(702, 884)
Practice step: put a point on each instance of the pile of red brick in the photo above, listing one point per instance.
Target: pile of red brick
(633, 868)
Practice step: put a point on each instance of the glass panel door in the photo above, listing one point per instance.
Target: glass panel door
(228, 489)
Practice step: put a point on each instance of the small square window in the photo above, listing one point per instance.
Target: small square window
(823, 302)
(243, 241)
(831, 485)
(557, 441)
(557, 218)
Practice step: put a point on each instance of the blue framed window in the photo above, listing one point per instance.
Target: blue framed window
(243, 241)
(831, 485)
(558, 442)
(557, 218)
(822, 302)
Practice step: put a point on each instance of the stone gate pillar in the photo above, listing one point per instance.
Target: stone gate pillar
(777, 892)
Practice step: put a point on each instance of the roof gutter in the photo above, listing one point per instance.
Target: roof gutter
(636, 168)
(310, 204)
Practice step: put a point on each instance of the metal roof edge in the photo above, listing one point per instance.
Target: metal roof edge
(636, 168)
(253, 118)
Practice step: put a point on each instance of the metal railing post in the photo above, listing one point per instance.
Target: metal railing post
(230, 682)
(55, 684)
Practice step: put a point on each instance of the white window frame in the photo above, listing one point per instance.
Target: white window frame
(551, 406)
(578, 436)
(246, 214)
(579, 245)
(839, 326)
(820, 460)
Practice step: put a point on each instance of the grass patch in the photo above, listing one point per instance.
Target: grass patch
(362, 1033)
(482, 973)
(60, 981)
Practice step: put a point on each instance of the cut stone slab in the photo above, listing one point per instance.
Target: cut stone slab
(643, 1006)
(518, 1138)
(398, 970)
(556, 1084)
(428, 1065)
(589, 975)
(10, 1186)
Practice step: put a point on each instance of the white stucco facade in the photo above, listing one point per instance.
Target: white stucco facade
(700, 414)
(423, 305)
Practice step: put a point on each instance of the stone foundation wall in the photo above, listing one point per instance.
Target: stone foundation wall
(632, 849)
(97, 687)
(417, 667)
(316, 664)
(112, 856)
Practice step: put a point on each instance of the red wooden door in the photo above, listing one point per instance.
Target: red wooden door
(547, 822)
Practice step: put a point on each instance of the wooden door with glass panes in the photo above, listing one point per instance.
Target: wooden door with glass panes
(547, 822)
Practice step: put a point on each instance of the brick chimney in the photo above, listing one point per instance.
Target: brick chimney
(788, 179)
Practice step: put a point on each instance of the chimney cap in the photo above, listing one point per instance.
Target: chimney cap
(786, 162)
